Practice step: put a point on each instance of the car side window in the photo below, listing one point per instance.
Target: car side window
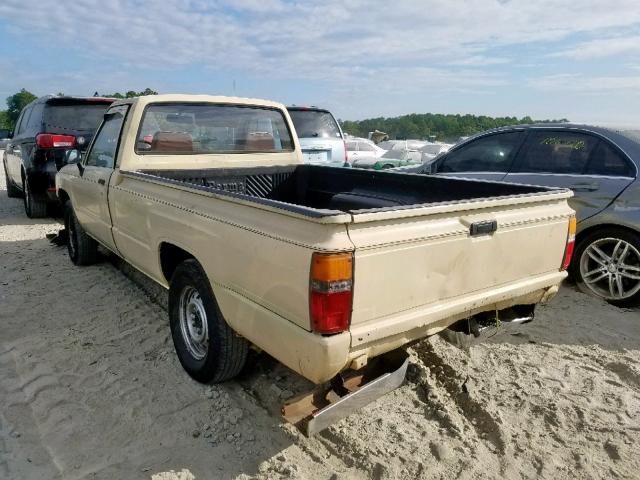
(365, 147)
(22, 121)
(607, 161)
(34, 125)
(492, 153)
(352, 146)
(105, 146)
(560, 152)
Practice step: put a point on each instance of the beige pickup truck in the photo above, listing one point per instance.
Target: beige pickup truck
(323, 268)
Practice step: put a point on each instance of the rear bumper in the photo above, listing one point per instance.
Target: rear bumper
(319, 358)
(382, 335)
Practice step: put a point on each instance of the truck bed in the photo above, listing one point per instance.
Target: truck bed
(319, 191)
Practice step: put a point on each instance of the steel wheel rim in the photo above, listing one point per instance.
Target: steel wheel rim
(193, 323)
(610, 267)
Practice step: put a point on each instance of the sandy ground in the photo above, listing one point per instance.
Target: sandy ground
(90, 389)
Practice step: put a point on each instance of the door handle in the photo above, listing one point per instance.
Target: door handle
(585, 187)
(101, 181)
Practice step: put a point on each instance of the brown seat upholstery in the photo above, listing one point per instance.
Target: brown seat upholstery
(260, 142)
(171, 142)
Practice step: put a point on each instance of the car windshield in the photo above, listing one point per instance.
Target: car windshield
(314, 124)
(75, 117)
(207, 128)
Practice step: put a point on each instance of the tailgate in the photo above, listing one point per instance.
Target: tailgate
(429, 255)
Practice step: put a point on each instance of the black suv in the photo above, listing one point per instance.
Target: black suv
(45, 130)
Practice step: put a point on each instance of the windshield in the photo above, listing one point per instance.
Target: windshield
(79, 117)
(314, 124)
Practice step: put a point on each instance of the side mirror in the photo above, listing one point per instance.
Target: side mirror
(72, 156)
(10, 134)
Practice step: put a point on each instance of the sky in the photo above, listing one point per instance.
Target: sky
(577, 59)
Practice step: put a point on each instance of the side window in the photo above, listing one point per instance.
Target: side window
(556, 152)
(22, 121)
(34, 126)
(607, 161)
(352, 146)
(105, 146)
(365, 147)
(487, 154)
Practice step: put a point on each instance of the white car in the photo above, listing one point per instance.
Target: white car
(358, 148)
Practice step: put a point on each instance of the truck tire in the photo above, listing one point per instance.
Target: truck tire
(208, 349)
(606, 264)
(83, 250)
(12, 190)
(35, 206)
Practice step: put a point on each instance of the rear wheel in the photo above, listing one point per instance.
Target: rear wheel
(208, 349)
(12, 190)
(35, 206)
(607, 264)
(83, 250)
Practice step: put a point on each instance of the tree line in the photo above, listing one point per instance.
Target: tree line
(19, 100)
(434, 126)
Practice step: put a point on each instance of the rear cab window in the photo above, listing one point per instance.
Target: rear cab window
(190, 128)
(311, 123)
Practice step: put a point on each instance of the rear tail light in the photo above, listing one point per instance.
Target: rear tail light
(571, 243)
(330, 295)
(48, 140)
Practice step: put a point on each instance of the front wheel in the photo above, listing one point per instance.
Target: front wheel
(208, 349)
(607, 264)
(83, 250)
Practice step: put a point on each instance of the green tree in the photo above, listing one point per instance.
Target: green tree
(131, 94)
(430, 125)
(15, 104)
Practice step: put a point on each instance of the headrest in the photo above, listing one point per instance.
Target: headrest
(171, 142)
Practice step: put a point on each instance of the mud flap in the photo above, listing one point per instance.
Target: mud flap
(314, 411)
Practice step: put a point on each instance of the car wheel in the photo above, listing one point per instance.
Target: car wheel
(35, 206)
(12, 190)
(607, 264)
(208, 349)
(83, 250)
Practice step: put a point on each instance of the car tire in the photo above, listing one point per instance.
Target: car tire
(208, 349)
(606, 264)
(35, 206)
(83, 250)
(12, 190)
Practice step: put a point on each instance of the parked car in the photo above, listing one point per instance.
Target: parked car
(323, 268)
(358, 148)
(320, 136)
(46, 128)
(600, 165)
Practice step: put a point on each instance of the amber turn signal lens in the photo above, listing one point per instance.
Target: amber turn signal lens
(330, 267)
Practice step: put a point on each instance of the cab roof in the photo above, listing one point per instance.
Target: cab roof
(185, 98)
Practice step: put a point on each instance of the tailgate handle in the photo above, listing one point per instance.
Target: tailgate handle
(483, 228)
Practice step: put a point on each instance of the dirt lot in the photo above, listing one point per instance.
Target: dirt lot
(90, 388)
